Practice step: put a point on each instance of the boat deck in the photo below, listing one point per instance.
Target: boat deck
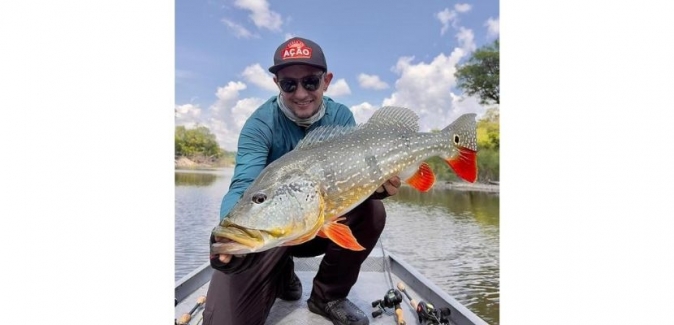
(372, 285)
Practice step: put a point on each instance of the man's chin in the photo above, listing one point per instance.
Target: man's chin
(304, 112)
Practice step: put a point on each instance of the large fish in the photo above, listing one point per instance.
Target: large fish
(332, 170)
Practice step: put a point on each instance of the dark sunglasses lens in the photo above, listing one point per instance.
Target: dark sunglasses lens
(288, 85)
(311, 83)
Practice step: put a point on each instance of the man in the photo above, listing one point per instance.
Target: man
(244, 288)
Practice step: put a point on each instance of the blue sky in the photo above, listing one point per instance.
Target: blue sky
(380, 52)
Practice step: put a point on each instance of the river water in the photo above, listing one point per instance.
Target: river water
(451, 237)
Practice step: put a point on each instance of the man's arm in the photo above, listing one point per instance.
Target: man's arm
(251, 158)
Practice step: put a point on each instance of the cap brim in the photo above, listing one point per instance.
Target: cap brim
(275, 68)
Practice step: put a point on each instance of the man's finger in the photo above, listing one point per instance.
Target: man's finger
(395, 181)
(390, 188)
(224, 258)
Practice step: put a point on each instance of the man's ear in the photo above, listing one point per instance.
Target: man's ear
(328, 78)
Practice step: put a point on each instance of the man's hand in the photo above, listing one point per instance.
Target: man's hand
(225, 258)
(391, 186)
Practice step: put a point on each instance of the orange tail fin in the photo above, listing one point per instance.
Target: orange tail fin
(465, 164)
(341, 235)
(423, 179)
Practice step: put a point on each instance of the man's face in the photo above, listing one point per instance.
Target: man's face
(302, 102)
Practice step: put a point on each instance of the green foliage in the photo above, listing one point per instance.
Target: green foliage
(488, 145)
(487, 165)
(196, 142)
(480, 75)
(489, 130)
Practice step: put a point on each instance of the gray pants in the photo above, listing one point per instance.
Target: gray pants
(246, 298)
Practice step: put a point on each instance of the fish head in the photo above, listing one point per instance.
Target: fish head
(462, 157)
(273, 211)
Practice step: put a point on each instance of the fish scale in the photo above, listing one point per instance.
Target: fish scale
(335, 168)
(357, 179)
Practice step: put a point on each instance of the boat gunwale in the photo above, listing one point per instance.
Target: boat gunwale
(414, 280)
(459, 314)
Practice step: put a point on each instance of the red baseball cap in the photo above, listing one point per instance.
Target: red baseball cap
(298, 50)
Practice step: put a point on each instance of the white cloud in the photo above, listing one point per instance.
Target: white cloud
(226, 122)
(238, 30)
(258, 76)
(338, 88)
(228, 114)
(427, 88)
(187, 115)
(362, 112)
(466, 39)
(462, 7)
(227, 95)
(492, 27)
(371, 82)
(446, 16)
(261, 15)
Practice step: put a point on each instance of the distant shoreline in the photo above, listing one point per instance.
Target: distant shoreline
(458, 186)
(184, 163)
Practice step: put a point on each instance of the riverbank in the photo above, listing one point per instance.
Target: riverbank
(186, 163)
(461, 186)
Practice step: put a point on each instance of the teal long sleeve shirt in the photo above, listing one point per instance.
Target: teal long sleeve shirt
(267, 135)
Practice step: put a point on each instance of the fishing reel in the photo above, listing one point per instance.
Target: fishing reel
(392, 299)
(426, 312)
(429, 315)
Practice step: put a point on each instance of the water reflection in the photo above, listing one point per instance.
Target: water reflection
(481, 205)
(195, 179)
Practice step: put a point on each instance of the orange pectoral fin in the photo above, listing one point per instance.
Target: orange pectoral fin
(341, 235)
(423, 179)
(465, 164)
(322, 234)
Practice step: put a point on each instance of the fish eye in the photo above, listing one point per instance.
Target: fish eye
(456, 138)
(259, 198)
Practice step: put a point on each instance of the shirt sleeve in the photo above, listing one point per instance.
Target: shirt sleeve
(251, 158)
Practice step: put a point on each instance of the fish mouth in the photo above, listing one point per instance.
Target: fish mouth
(251, 238)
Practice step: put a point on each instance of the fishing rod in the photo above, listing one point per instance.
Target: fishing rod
(392, 298)
(185, 318)
(426, 312)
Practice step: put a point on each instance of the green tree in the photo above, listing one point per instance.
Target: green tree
(480, 75)
(198, 141)
(488, 145)
(488, 130)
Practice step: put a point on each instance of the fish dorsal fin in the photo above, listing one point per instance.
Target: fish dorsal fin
(322, 134)
(396, 117)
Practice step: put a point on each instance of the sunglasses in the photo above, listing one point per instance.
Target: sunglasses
(310, 83)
